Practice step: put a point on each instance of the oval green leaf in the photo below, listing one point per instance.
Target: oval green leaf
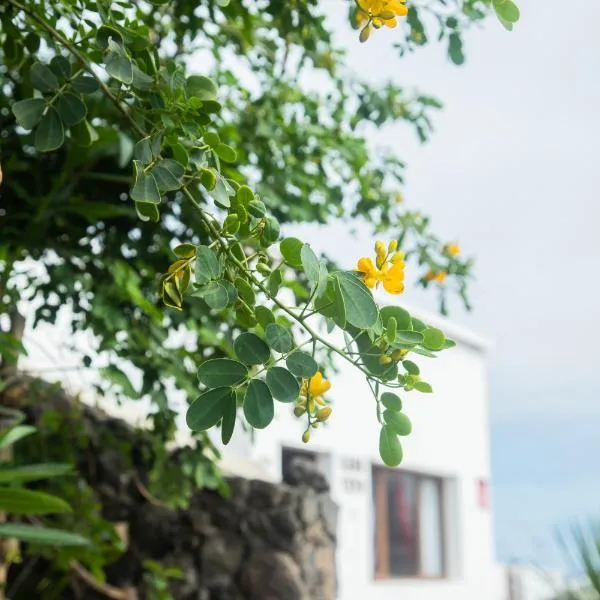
(279, 338)
(433, 339)
(207, 265)
(391, 401)
(259, 408)
(397, 421)
(390, 448)
(34, 472)
(283, 385)
(264, 316)
(70, 108)
(290, 250)
(219, 372)
(403, 318)
(228, 422)
(250, 349)
(302, 364)
(28, 112)
(50, 133)
(42, 78)
(361, 310)
(208, 409)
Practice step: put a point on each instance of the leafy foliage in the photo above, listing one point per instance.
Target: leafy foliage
(149, 198)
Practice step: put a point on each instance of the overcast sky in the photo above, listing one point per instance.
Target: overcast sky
(512, 172)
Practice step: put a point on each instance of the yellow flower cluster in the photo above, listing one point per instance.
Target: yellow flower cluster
(389, 270)
(311, 401)
(377, 13)
(452, 249)
(439, 276)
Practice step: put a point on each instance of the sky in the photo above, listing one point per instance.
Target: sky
(511, 173)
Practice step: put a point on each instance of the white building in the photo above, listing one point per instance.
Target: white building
(419, 532)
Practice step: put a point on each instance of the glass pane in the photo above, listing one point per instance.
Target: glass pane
(432, 552)
(403, 523)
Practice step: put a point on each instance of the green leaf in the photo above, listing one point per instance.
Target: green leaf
(310, 264)
(323, 280)
(250, 349)
(271, 231)
(145, 188)
(36, 534)
(397, 421)
(207, 265)
(84, 134)
(448, 344)
(507, 10)
(214, 294)
(390, 448)
(119, 67)
(302, 364)
(339, 304)
(274, 282)
(361, 310)
(208, 409)
(391, 401)
(283, 385)
(455, 48)
(226, 153)
(403, 318)
(33, 472)
(141, 80)
(49, 134)
(29, 112)
(279, 338)
(264, 316)
(19, 501)
(185, 250)
(417, 325)
(229, 417)
(42, 78)
(205, 89)
(245, 291)
(290, 249)
(433, 339)
(220, 194)
(423, 387)
(70, 108)
(85, 84)
(219, 372)
(408, 337)
(60, 67)
(142, 151)
(168, 174)
(147, 211)
(14, 434)
(390, 330)
(411, 367)
(259, 409)
(120, 379)
(211, 138)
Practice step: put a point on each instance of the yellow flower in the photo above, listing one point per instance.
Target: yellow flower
(316, 386)
(377, 13)
(452, 249)
(389, 271)
(439, 276)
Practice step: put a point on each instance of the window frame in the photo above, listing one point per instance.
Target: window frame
(381, 569)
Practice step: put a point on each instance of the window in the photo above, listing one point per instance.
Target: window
(409, 527)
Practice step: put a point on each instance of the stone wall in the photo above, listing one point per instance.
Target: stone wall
(263, 541)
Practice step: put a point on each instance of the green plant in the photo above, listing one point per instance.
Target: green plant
(580, 544)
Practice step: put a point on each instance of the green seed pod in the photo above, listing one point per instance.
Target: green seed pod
(263, 268)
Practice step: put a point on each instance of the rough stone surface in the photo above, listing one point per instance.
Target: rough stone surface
(262, 542)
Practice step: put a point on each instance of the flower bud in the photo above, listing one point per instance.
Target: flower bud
(393, 246)
(323, 413)
(299, 411)
(306, 436)
(385, 359)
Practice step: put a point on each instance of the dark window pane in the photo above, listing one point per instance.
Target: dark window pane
(403, 536)
(432, 551)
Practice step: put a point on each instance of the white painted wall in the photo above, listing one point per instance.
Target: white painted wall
(450, 439)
